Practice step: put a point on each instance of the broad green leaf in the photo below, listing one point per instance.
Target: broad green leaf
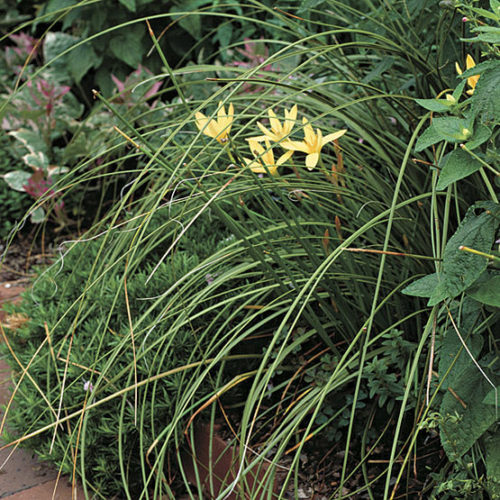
(32, 141)
(461, 269)
(452, 354)
(492, 398)
(485, 13)
(485, 101)
(224, 34)
(54, 45)
(57, 171)
(480, 68)
(463, 426)
(439, 294)
(54, 5)
(429, 137)
(38, 215)
(453, 129)
(459, 90)
(492, 446)
(127, 45)
(17, 179)
(80, 60)
(130, 4)
(36, 160)
(438, 105)
(423, 287)
(487, 290)
(455, 166)
(493, 37)
(481, 134)
(192, 24)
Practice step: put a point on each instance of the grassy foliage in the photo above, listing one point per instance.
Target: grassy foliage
(303, 307)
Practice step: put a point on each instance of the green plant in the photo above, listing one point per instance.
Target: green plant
(75, 353)
(306, 290)
(466, 279)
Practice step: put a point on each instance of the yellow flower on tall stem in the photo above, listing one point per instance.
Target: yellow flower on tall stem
(279, 131)
(472, 80)
(220, 128)
(312, 143)
(264, 158)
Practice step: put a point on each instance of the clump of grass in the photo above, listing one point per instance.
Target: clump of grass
(270, 288)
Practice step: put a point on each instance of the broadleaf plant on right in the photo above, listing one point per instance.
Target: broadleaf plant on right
(464, 291)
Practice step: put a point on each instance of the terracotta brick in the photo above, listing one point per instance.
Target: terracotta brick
(49, 491)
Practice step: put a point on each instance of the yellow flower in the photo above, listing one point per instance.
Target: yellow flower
(264, 156)
(278, 131)
(312, 143)
(218, 129)
(472, 80)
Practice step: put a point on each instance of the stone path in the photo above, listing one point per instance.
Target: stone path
(22, 477)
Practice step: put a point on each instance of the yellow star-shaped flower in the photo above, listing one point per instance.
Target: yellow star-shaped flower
(279, 131)
(217, 129)
(264, 158)
(312, 143)
(472, 80)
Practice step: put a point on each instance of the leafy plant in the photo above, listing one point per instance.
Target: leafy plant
(465, 282)
(291, 325)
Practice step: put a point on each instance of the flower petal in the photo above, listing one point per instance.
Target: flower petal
(275, 123)
(290, 117)
(292, 114)
(259, 138)
(221, 112)
(284, 157)
(469, 62)
(312, 160)
(201, 120)
(255, 147)
(265, 131)
(230, 118)
(296, 146)
(207, 126)
(309, 135)
(332, 137)
(268, 155)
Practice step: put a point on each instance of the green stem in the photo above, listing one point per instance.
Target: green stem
(489, 187)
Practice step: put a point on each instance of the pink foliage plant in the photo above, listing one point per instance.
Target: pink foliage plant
(256, 53)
